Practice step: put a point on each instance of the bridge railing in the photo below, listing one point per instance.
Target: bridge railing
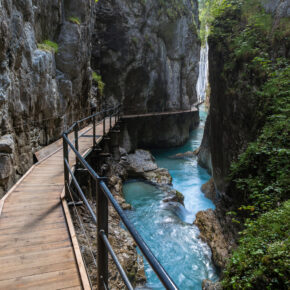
(103, 196)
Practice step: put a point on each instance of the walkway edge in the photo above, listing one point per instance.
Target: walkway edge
(77, 251)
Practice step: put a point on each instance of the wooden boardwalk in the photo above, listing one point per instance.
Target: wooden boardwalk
(157, 114)
(38, 247)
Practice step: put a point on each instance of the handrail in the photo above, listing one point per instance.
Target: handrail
(103, 195)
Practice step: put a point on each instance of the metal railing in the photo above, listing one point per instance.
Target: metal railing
(103, 196)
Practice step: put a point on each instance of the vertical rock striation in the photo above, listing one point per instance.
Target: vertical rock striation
(147, 53)
(41, 90)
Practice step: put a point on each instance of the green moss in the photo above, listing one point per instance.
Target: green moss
(98, 79)
(75, 20)
(48, 45)
(179, 196)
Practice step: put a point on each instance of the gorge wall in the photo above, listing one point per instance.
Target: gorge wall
(42, 89)
(246, 140)
(235, 117)
(147, 53)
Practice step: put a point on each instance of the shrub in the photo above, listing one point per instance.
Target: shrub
(262, 258)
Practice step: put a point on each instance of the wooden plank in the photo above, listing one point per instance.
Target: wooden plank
(50, 280)
(33, 235)
(35, 241)
(36, 248)
(37, 258)
(28, 221)
(22, 232)
(32, 204)
(53, 211)
(37, 228)
(29, 271)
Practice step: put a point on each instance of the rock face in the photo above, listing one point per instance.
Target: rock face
(41, 91)
(212, 233)
(204, 153)
(148, 53)
(158, 131)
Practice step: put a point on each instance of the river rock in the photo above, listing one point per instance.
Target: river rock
(174, 195)
(160, 176)
(208, 189)
(188, 154)
(209, 285)
(211, 232)
(141, 161)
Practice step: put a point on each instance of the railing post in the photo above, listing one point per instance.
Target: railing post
(104, 124)
(66, 173)
(94, 131)
(76, 133)
(102, 253)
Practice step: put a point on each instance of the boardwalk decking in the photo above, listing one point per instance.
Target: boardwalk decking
(36, 246)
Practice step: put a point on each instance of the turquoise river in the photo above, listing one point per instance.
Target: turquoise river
(167, 229)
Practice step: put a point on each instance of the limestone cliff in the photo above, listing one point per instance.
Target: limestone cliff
(147, 53)
(43, 84)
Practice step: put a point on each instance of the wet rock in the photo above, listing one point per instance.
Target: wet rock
(160, 176)
(209, 285)
(188, 154)
(208, 189)
(141, 161)
(212, 233)
(174, 195)
(204, 153)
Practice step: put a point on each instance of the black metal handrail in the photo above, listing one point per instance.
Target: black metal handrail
(103, 195)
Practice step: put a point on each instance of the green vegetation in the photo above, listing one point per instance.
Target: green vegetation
(262, 258)
(101, 85)
(251, 43)
(75, 20)
(48, 45)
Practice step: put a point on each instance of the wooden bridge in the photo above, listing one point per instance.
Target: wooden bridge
(38, 247)
(194, 108)
(38, 244)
